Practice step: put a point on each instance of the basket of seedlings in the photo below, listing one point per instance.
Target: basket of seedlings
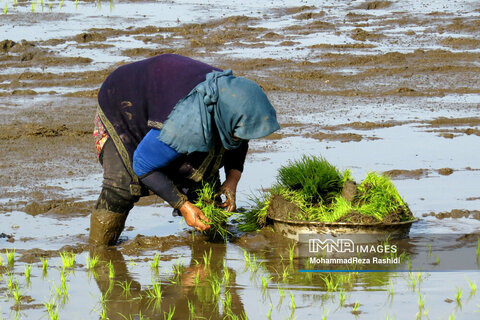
(311, 196)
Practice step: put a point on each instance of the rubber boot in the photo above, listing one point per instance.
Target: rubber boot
(106, 227)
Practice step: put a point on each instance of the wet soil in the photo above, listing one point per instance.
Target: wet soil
(339, 77)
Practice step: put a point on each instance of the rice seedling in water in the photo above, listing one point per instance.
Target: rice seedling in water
(156, 261)
(226, 274)
(458, 295)
(68, 259)
(293, 306)
(217, 217)
(216, 287)
(17, 293)
(227, 302)
(356, 305)
(52, 309)
(126, 288)
(281, 292)
(10, 257)
(269, 313)
(452, 316)
(342, 297)
(5, 9)
(170, 314)
(325, 314)
(421, 301)
(473, 287)
(111, 270)
(265, 281)
(191, 310)
(91, 262)
(156, 291)
(207, 257)
(28, 270)
(291, 252)
(44, 264)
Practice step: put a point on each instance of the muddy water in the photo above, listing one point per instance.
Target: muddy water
(379, 86)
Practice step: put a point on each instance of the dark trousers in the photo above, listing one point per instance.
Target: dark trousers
(115, 195)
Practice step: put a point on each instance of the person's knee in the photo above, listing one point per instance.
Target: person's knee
(115, 200)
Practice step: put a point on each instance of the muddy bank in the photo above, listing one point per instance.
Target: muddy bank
(397, 174)
(455, 214)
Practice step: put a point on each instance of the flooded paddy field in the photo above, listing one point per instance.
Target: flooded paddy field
(383, 86)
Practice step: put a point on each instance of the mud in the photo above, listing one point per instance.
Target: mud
(455, 214)
(353, 75)
(407, 174)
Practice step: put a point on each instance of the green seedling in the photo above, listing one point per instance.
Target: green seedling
(216, 287)
(10, 283)
(111, 270)
(265, 281)
(269, 313)
(52, 309)
(1, 260)
(227, 301)
(226, 275)
(247, 258)
(171, 312)
(10, 257)
(217, 217)
(291, 252)
(17, 293)
(5, 9)
(281, 292)
(33, 6)
(293, 306)
(452, 316)
(191, 310)
(126, 288)
(91, 262)
(68, 259)
(207, 257)
(342, 297)
(28, 270)
(156, 261)
(356, 305)
(421, 301)
(325, 314)
(156, 291)
(458, 295)
(196, 280)
(473, 287)
(44, 264)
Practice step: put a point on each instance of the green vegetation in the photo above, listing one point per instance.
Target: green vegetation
(313, 178)
(217, 217)
(315, 187)
(91, 262)
(68, 259)
(10, 257)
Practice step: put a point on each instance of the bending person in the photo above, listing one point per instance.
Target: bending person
(165, 125)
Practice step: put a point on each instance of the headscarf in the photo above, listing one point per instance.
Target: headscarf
(239, 108)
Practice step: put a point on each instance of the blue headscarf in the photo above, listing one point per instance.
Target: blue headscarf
(239, 108)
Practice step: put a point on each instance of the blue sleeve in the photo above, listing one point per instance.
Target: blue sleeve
(152, 154)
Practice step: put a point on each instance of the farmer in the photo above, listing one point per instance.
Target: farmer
(166, 124)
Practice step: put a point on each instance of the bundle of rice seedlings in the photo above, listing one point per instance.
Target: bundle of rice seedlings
(378, 197)
(315, 187)
(314, 177)
(255, 218)
(217, 217)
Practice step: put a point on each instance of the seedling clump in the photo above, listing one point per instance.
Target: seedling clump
(217, 217)
(311, 189)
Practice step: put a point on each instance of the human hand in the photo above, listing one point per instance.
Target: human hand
(193, 216)
(229, 205)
